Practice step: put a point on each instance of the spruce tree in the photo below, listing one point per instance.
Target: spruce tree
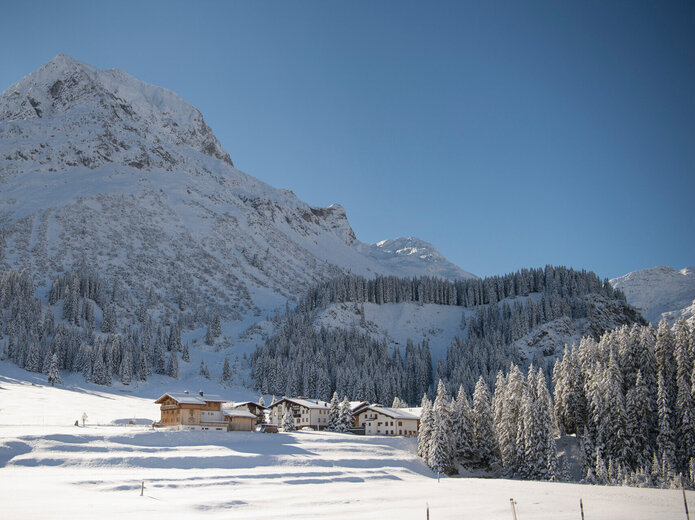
(665, 439)
(185, 355)
(288, 420)
(126, 370)
(483, 431)
(442, 445)
(345, 420)
(226, 371)
(333, 413)
(173, 365)
(53, 372)
(424, 435)
(462, 426)
(204, 371)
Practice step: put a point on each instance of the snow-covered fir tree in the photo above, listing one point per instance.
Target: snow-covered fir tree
(53, 372)
(288, 421)
(204, 370)
(226, 372)
(333, 413)
(442, 445)
(173, 365)
(345, 419)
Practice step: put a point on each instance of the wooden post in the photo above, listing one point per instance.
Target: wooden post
(513, 504)
(437, 476)
(142, 488)
(581, 508)
(685, 502)
(428, 510)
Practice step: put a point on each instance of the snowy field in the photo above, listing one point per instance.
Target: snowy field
(52, 469)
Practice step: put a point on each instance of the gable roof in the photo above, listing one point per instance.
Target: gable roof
(396, 413)
(244, 403)
(237, 412)
(306, 403)
(184, 398)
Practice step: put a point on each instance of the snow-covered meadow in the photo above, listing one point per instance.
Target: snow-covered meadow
(50, 468)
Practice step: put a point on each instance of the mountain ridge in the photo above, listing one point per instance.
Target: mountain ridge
(98, 167)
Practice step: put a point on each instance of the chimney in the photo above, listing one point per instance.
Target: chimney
(200, 393)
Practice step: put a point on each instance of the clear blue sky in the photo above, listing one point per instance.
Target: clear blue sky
(509, 134)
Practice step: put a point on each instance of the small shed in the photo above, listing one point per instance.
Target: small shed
(239, 420)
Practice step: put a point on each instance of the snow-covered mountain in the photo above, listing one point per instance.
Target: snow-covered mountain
(98, 167)
(660, 292)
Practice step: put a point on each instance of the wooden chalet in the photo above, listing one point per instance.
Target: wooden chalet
(185, 411)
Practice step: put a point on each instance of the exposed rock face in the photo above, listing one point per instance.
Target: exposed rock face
(98, 167)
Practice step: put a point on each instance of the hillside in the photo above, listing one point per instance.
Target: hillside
(101, 169)
(660, 292)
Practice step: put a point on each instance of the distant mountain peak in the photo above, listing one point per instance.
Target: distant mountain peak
(660, 292)
(407, 256)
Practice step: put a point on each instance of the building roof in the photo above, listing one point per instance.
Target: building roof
(306, 403)
(244, 403)
(184, 398)
(396, 413)
(237, 412)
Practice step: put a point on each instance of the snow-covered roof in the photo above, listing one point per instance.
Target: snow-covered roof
(306, 403)
(238, 412)
(396, 413)
(244, 403)
(184, 398)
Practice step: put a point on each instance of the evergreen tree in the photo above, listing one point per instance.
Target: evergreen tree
(345, 420)
(637, 423)
(425, 431)
(288, 420)
(173, 365)
(159, 366)
(665, 439)
(144, 369)
(226, 372)
(53, 372)
(442, 445)
(108, 324)
(126, 371)
(204, 371)
(462, 427)
(483, 431)
(185, 355)
(333, 413)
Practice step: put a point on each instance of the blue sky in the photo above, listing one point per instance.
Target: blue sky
(508, 134)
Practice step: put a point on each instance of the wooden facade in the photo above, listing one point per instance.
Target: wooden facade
(191, 412)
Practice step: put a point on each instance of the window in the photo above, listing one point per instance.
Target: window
(400, 423)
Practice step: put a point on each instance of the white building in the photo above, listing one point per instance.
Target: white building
(379, 420)
(307, 412)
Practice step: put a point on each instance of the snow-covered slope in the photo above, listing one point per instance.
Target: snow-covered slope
(411, 256)
(97, 166)
(660, 292)
(52, 469)
(440, 324)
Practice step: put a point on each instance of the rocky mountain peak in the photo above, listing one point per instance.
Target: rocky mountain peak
(101, 117)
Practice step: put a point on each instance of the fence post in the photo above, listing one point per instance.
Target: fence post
(581, 508)
(428, 510)
(685, 502)
(142, 488)
(513, 504)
